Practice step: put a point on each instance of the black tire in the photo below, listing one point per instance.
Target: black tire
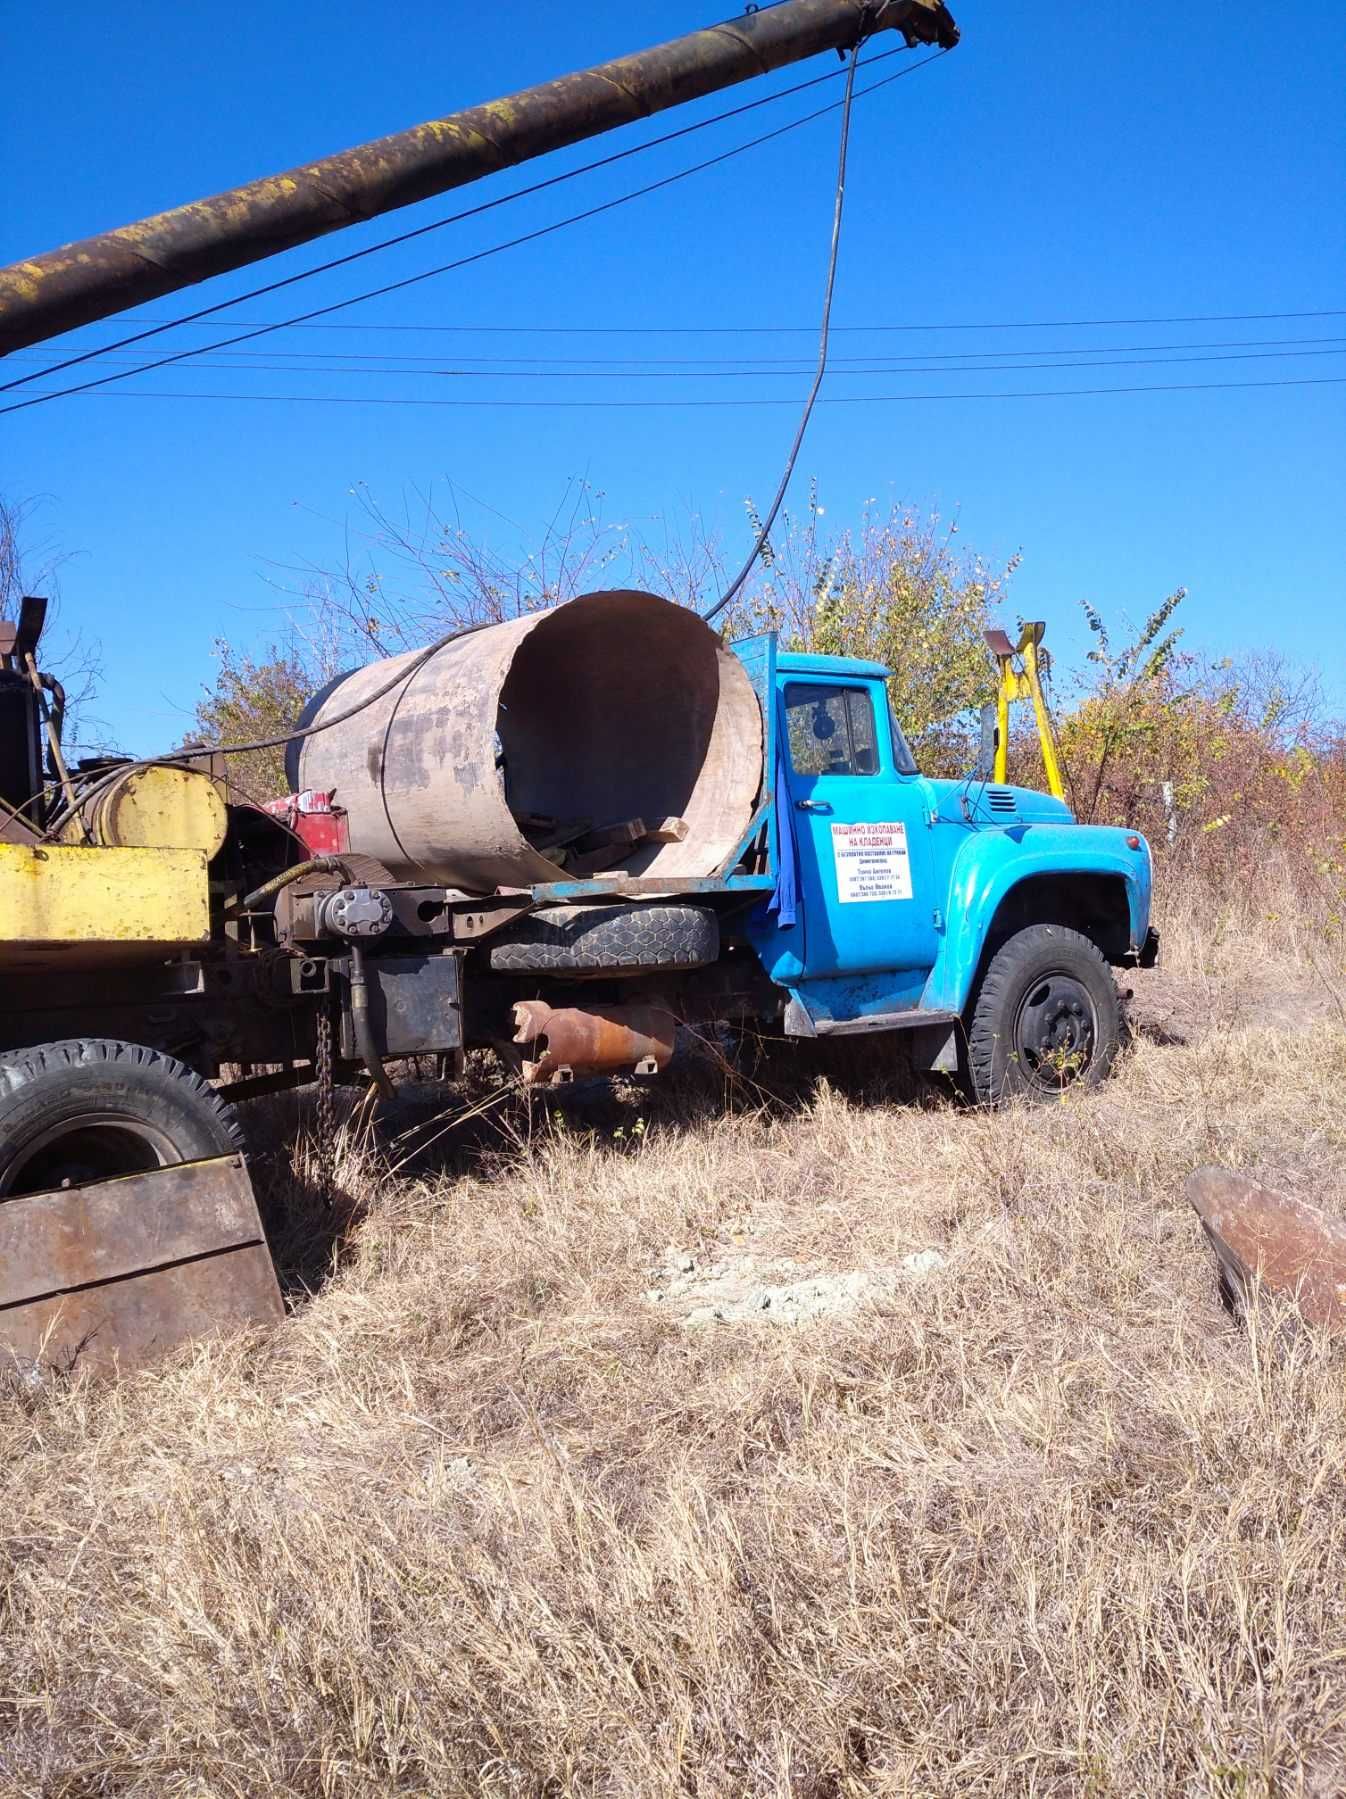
(598, 940)
(91, 1108)
(1047, 1016)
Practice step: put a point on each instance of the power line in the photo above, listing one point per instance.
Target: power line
(696, 367)
(309, 323)
(478, 256)
(157, 328)
(1049, 393)
(448, 373)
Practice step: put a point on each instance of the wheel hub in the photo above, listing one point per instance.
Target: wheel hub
(1055, 1031)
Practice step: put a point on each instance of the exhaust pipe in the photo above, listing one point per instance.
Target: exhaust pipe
(561, 1042)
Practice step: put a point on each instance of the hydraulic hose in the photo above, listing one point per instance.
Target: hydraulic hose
(317, 865)
(361, 1025)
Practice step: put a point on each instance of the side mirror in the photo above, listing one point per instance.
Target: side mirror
(990, 743)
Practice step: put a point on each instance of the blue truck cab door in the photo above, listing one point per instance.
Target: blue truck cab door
(861, 823)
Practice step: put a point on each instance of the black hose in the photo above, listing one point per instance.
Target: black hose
(361, 1026)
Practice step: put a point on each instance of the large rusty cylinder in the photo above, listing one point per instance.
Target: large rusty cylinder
(613, 709)
(60, 289)
(564, 1041)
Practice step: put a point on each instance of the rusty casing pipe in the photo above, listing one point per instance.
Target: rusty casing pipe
(60, 289)
(564, 1041)
(617, 705)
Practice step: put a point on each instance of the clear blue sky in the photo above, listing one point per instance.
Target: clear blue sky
(1092, 163)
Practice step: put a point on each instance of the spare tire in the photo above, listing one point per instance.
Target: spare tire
(599, 940)
(92, 1108)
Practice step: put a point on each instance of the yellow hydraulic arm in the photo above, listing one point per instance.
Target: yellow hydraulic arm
(1023, 683)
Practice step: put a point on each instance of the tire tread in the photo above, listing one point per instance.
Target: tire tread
(616, 939)
(1006, 970)
(20, 1067)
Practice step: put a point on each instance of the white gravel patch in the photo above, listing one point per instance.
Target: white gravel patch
(751, 1289)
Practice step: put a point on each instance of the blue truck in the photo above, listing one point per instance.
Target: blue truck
(805, 881)
(562, 839)
(980, 918)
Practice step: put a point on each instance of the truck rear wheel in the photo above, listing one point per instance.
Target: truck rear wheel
(1046, 1017)
(92, 1108)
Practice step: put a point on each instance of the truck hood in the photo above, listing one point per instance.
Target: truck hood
(986, 804)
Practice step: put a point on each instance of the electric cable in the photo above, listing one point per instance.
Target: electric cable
(158, 327)
(461, 262)
(824, 338)
(1044, 393)
(442, 373)
(1207, 318)
(695, 365)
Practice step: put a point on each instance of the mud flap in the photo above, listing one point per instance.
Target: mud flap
(113, 1274)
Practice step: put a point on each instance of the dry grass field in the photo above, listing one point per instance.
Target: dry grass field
(485, 1517)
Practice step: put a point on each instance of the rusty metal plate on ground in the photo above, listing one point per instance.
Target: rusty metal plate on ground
(1288, 1246)
(113, 1274)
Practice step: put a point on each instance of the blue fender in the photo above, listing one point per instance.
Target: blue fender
(990, 864)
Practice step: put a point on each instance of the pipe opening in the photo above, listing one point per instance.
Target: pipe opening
(616, 710)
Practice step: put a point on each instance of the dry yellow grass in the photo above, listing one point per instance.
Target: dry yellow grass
(481, 1518)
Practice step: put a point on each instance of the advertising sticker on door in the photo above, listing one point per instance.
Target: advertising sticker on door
(872, 862)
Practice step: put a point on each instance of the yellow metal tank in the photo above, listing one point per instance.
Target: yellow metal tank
(159, 808)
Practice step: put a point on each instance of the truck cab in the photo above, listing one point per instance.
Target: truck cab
(980, 916)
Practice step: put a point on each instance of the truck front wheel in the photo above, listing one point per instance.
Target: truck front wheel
(1046, 1017)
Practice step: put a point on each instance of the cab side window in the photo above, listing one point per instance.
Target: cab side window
(830, 730)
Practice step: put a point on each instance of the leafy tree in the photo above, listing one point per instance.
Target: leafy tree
(900, 592)
(1221, 764)
(254, 699)
(1135, 705)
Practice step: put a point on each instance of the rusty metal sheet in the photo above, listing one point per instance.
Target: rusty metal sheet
(116, 1273)
(1285, 1245)
(569, 1040)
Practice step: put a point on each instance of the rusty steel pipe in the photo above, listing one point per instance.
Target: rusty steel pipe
(60, 289)
(566, 1041)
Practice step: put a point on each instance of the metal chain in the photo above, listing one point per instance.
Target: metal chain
(326, 1101)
